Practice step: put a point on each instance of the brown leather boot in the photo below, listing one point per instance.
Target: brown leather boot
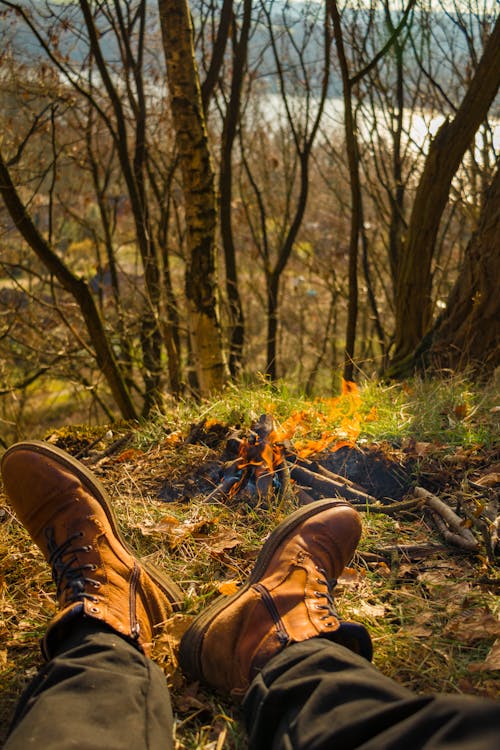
(68, 515)
(287, 599)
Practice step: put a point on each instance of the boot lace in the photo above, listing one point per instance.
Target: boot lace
(70, 577)
(326, 595)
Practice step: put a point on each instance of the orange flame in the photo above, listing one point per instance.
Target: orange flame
(266, 455)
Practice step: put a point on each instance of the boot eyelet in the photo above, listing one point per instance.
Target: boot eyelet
(94, 609)
(93, 567)
(96, 584)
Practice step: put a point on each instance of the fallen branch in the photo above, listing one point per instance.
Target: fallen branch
(328, 487)
(115, 446)
(448, 523)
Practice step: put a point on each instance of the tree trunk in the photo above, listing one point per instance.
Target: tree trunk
(467, 334)
(236, 316)
(414, 283)
(356, 204)
(77, 287)
(199, 193)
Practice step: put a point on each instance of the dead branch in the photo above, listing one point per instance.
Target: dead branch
(448, 523)
(115, 446)
(410, 551)
(328, 487)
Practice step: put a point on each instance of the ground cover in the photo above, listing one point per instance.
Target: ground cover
(431, 607)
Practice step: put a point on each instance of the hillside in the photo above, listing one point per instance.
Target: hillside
(430, 605)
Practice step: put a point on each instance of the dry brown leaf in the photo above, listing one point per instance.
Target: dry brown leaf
(432, 578)
(364, 609)
(188, 700)
(166, 647)
(383, 569)
(489, 480)
(176, 531)
(473, 625)
(227, 588)
(222, 541)
(418, 631)
(492, 661)
(128, 455)
(350, 577)
(418, 447)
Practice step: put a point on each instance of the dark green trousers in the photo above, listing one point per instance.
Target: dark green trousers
(100, 693)
(317, 695)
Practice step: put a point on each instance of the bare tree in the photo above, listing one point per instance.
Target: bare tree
(199, 194)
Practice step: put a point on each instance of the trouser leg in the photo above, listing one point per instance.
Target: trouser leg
(98, 693)
(317, 695)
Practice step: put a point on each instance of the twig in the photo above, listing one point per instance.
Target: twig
(449, 524)
(411, 551)
(115, 446)
(328, 487)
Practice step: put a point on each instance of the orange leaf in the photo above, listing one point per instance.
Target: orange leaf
(227, 588)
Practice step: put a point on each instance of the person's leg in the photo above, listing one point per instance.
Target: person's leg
(99, 689)
(307, 676)
(98, 692)
(317, 695)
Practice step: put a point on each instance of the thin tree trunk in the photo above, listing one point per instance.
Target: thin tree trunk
(77, 287)
(237, 321)
(199, 193)
(356, 207)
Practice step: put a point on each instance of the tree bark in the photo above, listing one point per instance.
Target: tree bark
(199, 193)
(356, 204)
(413, 300)
(467, 334)
(77, 287)
(236, 316)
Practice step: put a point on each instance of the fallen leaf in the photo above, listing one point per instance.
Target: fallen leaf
(224, 540)
(418, 447)
(418, 631)
(173, 439)
(460, 410)
(432, 578)
(383, 569)
(364, 609)
(473, 625)
(227, 588)
(128, 455)
(489, 480)
(188, 700)
(492, 661)
(176, 531)
(349, 577)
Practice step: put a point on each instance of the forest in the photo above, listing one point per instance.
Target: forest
(196, 194)
(249, 260)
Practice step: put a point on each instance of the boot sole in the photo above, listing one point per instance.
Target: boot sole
(192, 640)
(173, 593)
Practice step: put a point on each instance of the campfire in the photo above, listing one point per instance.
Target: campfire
(272, 459)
